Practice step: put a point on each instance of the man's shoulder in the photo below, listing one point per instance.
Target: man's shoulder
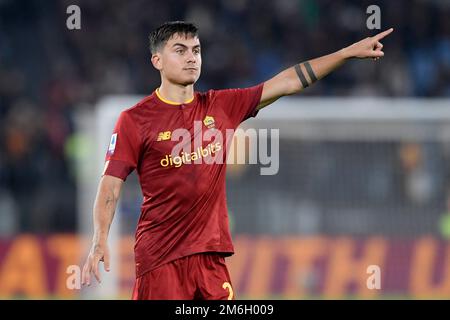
(217, 97)
(231, 91)
(215, 93)
(145, 103)
(211, 92)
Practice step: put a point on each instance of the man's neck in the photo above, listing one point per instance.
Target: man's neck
(176, 93)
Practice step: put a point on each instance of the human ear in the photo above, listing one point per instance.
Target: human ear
(156, 61)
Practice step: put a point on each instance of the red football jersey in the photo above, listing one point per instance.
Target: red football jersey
(184, 208)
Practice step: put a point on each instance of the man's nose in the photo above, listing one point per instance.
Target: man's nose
(191, 57)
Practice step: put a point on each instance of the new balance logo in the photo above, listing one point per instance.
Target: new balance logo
(164, 135)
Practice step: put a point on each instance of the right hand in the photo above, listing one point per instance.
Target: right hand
(370, 47)
(99, 252)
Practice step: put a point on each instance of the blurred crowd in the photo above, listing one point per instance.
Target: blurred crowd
(48, 72)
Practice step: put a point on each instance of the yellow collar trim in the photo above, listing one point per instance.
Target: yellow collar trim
(171, 102)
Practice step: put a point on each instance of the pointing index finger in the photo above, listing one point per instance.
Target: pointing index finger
(383, 34)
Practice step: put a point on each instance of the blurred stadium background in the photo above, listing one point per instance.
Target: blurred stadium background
(364, 174)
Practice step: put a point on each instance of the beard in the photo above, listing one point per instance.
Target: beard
(184, 78)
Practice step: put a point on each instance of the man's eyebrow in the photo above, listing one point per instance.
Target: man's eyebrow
(184, 46)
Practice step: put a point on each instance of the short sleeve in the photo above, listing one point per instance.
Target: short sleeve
(124, 148)
(240, 104)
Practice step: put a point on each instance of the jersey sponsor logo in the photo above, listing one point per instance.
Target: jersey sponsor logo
(184, 158)
(164, 135)
(112, 144)
(209, 122)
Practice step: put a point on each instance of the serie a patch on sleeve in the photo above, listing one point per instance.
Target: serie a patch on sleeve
(112, 144)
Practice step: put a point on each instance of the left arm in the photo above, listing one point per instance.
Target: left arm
(300, 76)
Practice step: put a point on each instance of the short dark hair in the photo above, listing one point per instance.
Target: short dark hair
(164, 32)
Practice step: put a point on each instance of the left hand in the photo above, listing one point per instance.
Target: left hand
(369, 47)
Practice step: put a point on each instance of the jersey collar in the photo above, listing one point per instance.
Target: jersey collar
(172, 102)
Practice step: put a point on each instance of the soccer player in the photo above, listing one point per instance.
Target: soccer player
(183, 237)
